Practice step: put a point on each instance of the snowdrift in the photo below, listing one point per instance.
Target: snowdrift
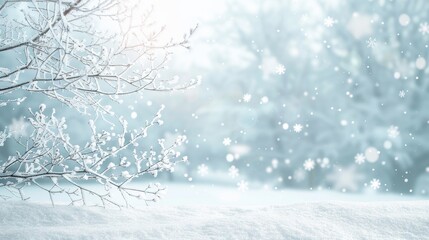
(339, 220)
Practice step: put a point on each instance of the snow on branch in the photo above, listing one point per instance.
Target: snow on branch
(49, 154)
(84, 54)
(80, 51)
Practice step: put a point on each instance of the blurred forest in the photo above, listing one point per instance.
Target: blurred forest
(299, 94)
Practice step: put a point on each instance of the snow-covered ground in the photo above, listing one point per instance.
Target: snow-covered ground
(214, 212)
(336, 220)
(227, 195)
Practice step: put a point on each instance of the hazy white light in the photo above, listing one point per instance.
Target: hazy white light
(420, 63)
(396, 75)
(404, 19)
(387, 144)
(133, 115)
(372, 154)
(285, 126)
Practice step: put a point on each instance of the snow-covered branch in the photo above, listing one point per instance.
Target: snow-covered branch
(79, 51)
(111, 159)
(84, 54)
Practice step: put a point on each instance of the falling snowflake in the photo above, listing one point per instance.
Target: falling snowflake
(247, 97)
(243, 186)
(233, 171)
(229, 157)
(309, 164)
(359, 158)
(133, 115)
(203, 170)
(226, 141)
(404, 19)
(371, 42)
(424, 28)
(393, 132)
(420, 63)
(297, 128)
(402, 94)
(285, 126)
(239, 150)
(264, 100)
(329, 22)
(280, 69)
(324, 163)
(275, 163)
(375, 183)
(372, 154)
(387, 144)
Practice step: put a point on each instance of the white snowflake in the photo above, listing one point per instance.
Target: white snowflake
(424, 28)
(243, 186)
(203, 170)
(324, 162)
(247, 97)
(229, 157)
(226, 141)
(297, 128)
(233, 171)
(402, 94)
(285, 126)
(359, 158)
(371, 42)
(309, 164)
(329, 22)
(375, 183)
(264, 100)
(280, 69)
(393, 132)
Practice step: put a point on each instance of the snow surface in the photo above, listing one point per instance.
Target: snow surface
(336, 220)
(178, 194)
(220, 212)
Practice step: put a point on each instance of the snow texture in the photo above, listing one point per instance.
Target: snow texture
(335, 220)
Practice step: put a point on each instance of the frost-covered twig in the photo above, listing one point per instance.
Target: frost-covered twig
(83, 54)
(48, 154)
(80, 51)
